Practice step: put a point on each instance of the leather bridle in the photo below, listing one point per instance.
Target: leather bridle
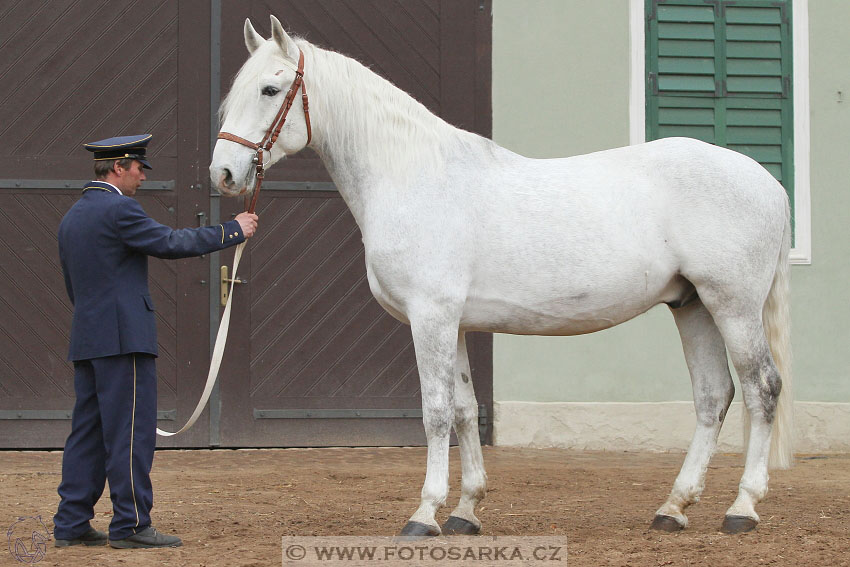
(265, 145)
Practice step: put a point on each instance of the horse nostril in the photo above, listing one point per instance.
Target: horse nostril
(228, 177)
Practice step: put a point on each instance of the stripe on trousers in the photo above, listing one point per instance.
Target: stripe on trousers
(132, 435)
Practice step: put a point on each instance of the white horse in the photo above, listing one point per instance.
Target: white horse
(463, 235)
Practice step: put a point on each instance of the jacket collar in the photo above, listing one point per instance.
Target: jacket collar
(101, 186)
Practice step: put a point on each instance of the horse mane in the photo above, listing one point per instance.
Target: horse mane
(366, 114)
(393, 131)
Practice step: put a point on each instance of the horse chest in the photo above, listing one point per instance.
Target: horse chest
(402, 268)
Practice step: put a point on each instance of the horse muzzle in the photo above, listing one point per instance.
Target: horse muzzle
(223, 181)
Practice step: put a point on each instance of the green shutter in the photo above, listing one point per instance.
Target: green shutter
(720, 71)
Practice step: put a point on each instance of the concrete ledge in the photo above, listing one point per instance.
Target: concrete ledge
(652, 426)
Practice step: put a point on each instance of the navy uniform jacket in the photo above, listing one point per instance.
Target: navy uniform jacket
(104, 243)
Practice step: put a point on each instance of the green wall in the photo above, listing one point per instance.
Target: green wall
(821, 292)
(561, 87)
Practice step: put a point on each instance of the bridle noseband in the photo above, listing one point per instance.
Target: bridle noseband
(274, 130)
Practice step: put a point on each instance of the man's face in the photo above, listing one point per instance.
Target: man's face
(130, 179)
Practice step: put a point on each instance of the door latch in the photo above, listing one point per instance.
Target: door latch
(225, 289)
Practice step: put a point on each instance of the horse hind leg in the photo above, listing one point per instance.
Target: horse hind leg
(473, 476)
(760, 385)
(705, 355)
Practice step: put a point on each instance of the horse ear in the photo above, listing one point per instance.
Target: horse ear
(253, 40)
(283, 40)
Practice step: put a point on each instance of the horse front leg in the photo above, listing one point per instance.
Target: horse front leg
(473, 484)
(435, 340)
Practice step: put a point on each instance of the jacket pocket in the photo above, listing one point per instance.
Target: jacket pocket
(148, 302)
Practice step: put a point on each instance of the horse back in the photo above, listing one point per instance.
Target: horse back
(579, 244)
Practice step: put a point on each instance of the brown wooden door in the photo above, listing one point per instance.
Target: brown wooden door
(312, 359)
(72, 72)
(312, 338)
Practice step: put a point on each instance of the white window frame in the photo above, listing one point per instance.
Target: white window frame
(802, 251)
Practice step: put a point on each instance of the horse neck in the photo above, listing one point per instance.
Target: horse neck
(368, 132)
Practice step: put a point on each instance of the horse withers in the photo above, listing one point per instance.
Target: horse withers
(463, 235)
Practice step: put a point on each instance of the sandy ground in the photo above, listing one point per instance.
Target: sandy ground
(232, 507)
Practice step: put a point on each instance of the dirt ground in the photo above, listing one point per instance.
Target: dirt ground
(231, 507)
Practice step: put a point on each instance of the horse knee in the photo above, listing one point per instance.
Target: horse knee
(713, 406)
(437, 408)
(437, 421)
(465, 415)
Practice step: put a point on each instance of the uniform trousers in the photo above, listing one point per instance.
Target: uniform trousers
(113, 436)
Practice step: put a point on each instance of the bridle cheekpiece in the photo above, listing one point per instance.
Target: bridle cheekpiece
(265, 145)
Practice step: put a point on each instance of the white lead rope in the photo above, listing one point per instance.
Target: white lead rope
(218, 351)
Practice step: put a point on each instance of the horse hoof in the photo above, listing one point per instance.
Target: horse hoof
(666, 524)
(419, 529)
(459, 526)
(738, 525)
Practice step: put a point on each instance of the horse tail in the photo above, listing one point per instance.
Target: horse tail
(776, 318)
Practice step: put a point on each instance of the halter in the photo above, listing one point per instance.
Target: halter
(274, 129)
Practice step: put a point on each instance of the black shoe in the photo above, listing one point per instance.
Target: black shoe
(91, 537)
(146, 538)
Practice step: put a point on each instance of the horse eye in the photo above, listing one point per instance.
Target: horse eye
(270, 91)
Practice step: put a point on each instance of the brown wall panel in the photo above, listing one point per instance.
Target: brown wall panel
(70, 73)
(306, 332)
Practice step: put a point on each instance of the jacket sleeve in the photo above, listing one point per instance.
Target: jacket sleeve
(68, 287)
(141, 233)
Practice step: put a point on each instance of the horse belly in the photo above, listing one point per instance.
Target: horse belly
(571, 311)
(556, 318)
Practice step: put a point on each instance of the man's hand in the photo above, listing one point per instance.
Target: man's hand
(248, 222)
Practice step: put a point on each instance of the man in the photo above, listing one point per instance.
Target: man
(104, 243)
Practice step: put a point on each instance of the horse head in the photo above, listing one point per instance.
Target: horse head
(253, 108)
